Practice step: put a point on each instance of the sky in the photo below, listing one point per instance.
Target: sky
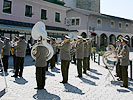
(119, 8)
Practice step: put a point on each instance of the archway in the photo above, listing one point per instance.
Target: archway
(84, 35)
(128, 38)
(103, 41)
(94, 39)
(132, 41)
(112, 39)
(119, 36)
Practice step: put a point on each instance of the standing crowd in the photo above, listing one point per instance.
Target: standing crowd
(17, 48)
(78, 51)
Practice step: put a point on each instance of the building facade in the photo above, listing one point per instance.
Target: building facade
(19, 16)
(104, 29)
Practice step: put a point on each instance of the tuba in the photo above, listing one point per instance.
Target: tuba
(110, 57)
(38, 31)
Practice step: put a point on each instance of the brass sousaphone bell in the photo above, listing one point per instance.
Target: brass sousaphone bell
(109, 57)
(38, 31)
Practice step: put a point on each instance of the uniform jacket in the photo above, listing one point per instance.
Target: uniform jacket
(80, 50)
(86, 49)
(1, 45)
(6, 49)
(118, 49)
(124, 56)
(65, 51)
(54, 47)
(21, 48)
(41, 56)
(89, 47)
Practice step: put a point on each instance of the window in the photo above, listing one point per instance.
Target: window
(57, 17)
(73, 21)
(99, 21)
(77, 21)
(7, 6)
(120, 25)
(44, 14)
(127, 25)
(112, 23)
(28, 11)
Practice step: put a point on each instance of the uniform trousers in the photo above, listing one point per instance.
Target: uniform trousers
(79, 67)
(40, 77)
(74, 59)
(85, 63)
(88, 63)
(14, 61)
(47, 65)
(52, 61)
(118, 70)
(125, 75)
(64, 69)
(5, 62)
(19, 66)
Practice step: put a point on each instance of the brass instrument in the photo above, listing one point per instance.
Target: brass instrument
(39, 31)
(110, 57)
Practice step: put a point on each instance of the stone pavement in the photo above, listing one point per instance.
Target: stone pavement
(95, 85)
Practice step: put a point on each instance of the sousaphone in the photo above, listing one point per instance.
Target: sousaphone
(110, 57)
(39, 31)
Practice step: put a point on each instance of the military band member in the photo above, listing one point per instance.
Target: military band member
(13, 50)
(41, 65)
(124, 61)
(6, 53)
(20, 54)
(65, 57)
(86, 55)
(53, 59)
(73, 48)
(118, 68)
(79, 55)
(1, 45)
(89, 52)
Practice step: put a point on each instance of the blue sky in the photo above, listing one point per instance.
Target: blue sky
(120, 8)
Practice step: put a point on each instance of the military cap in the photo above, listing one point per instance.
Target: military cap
(124, 39)
(7, 38)
(67, 37)
(79, 37)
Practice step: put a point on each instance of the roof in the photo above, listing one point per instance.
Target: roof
(92, 13)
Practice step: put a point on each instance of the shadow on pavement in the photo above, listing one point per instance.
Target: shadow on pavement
(2, 74)
(116, 82)
(2, 92)
(72, 89)
(44, 95)
(95, 71)
(55, 70)
(21, 81)
(94, 77)
(88, 81)
(122, 90)
(49, 73)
